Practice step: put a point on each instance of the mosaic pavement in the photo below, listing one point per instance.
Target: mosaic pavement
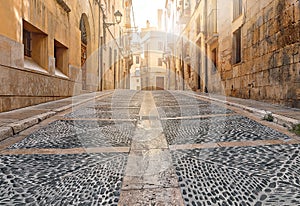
(217, 129)
(184, 111)
(266, 175)
(112, 113)
(66, 134)
(85, 179)
(260, 175)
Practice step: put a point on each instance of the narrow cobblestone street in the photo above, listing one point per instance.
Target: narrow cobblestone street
(151, 148)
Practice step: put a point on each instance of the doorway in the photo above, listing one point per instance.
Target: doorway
(160, 83)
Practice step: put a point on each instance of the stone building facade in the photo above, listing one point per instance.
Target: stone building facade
(153, 69)
(241, 48)
(50, 50)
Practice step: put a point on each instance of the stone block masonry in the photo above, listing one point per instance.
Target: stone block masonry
(270, 69)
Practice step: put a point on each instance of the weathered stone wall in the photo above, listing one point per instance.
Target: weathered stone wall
(270, 68)
(22, 86)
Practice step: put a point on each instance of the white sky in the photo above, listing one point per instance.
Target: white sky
(146, 10)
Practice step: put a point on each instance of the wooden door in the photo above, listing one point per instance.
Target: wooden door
(83, 65)
(160, 83)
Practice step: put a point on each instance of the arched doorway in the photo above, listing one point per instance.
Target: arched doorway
(84, 51)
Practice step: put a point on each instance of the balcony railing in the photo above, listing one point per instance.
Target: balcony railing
(212, 28)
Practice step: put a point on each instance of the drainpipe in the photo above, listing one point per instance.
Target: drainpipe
(182, 64)
(99, 50)
(206, 50)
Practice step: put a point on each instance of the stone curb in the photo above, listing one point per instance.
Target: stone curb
(5, 132)
(278, 119)
(19, 126)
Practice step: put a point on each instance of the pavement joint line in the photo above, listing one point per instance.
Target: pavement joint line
(23, 124)
(279, 119)
(154, 188)
(96, 119)
(149, 169)
(79, 150)
(198, 116)
(256, 143)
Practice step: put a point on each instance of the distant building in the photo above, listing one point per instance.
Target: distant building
(135, 71)
(153, 68)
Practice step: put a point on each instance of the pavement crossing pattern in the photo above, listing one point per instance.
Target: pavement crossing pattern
(151, 148)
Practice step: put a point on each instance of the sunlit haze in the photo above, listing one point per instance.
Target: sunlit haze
(146, 10)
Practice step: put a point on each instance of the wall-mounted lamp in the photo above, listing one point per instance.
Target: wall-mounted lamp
(118, 17)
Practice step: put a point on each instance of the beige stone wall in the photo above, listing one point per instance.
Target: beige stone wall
(21, 85)
(270, 67)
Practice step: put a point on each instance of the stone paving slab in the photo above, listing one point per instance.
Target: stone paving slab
(218, 129)
(5, 132)
(66, 134)
(266, 175)
(85, 179)
(148, 169)
(157, 197)
(150, 177)
(149, 140)
(51, 106)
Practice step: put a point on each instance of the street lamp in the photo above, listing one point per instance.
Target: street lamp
(118, 17)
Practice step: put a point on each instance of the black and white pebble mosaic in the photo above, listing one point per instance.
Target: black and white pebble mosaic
(66, 134)
(217, 129)
(196, 110)
(168, 99)
(85, 179)
(105, 113)
(267, 175)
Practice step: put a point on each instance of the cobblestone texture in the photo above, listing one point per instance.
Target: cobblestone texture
(74, 134)
(121, 105)
(217, 129)
(268, 175)
(114, 113)
(183, 111)
(165, 99)
(87, 179)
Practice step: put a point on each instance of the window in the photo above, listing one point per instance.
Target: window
(110, 57)
(35, 48)
(237, 8)
(198, 25)
(137, 59)
(214, 59)
(137, 80)
(27, 42)
(160, 46)
(159, 61)
(237, 46)
(137, 72)
(61, 59)
(189, 71)
(115, 56)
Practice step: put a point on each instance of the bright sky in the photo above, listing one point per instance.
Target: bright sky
(146, 10)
